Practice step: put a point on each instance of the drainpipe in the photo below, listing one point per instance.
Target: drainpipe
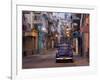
(82, 34)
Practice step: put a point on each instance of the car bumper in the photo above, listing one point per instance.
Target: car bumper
(64, 58)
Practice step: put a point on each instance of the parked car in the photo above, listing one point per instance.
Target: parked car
(64, 53)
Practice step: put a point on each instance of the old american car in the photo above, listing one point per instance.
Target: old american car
(64, 53)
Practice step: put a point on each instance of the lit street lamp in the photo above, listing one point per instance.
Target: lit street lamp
(56, 35)
(44, 29)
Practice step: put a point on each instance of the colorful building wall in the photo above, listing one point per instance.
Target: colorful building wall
(85, 31)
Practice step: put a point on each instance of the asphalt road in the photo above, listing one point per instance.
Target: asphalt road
(47, 60)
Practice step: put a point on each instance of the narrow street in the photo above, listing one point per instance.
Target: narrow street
(48, 60)
(53, 37)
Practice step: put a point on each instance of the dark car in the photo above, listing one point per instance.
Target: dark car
(64, 53)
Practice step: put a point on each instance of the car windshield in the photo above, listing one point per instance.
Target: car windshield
(63, 47)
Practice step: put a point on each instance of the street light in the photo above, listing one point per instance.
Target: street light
(68, 35)
(67, 32)
(44, 29)
(56, 35)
